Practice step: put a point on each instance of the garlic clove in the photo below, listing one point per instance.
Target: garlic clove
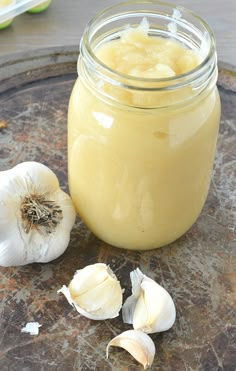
(85, 279)
(154, 312)
(150, 308)
(99, 299)
(138, 344)
(95, 292)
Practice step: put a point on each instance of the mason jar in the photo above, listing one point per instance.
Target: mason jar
(141, 149)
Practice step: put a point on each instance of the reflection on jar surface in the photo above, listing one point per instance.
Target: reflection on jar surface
(141, 146)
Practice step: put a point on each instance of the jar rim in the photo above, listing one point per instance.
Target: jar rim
(114, 77)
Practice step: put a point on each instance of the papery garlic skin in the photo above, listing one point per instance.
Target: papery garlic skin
(138, 344)
(32, 328)
(150, 308)
(95, 292)
(22, 243)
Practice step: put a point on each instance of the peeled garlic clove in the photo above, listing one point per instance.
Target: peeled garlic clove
(95, 292)
(150, 308)
(138, 344)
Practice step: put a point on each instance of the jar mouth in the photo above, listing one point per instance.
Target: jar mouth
(183, 21)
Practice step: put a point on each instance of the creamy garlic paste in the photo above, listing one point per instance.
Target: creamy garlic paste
(139, 177)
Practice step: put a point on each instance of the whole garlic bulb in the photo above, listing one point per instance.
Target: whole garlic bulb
(95, 292)
(150, 308)
(36, 216)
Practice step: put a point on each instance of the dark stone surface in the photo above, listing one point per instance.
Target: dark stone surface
(198, 269)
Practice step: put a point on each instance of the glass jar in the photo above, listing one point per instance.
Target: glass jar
(140, 168)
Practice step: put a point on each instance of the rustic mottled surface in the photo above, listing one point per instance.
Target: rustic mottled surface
(198, 269)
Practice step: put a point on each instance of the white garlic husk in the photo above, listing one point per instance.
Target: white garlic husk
(95, 292)
(138, 344)
(32, 328)
(36, 216)
(150, 308)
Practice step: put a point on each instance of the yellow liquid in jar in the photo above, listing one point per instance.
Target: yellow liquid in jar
(139, 177)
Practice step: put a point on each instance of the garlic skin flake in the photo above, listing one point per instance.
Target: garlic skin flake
(138, 344)
(95, 292)
(32, 328)
(36, 216)
(150, 308)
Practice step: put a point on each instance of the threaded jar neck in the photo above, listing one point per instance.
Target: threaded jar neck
(165, 20)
